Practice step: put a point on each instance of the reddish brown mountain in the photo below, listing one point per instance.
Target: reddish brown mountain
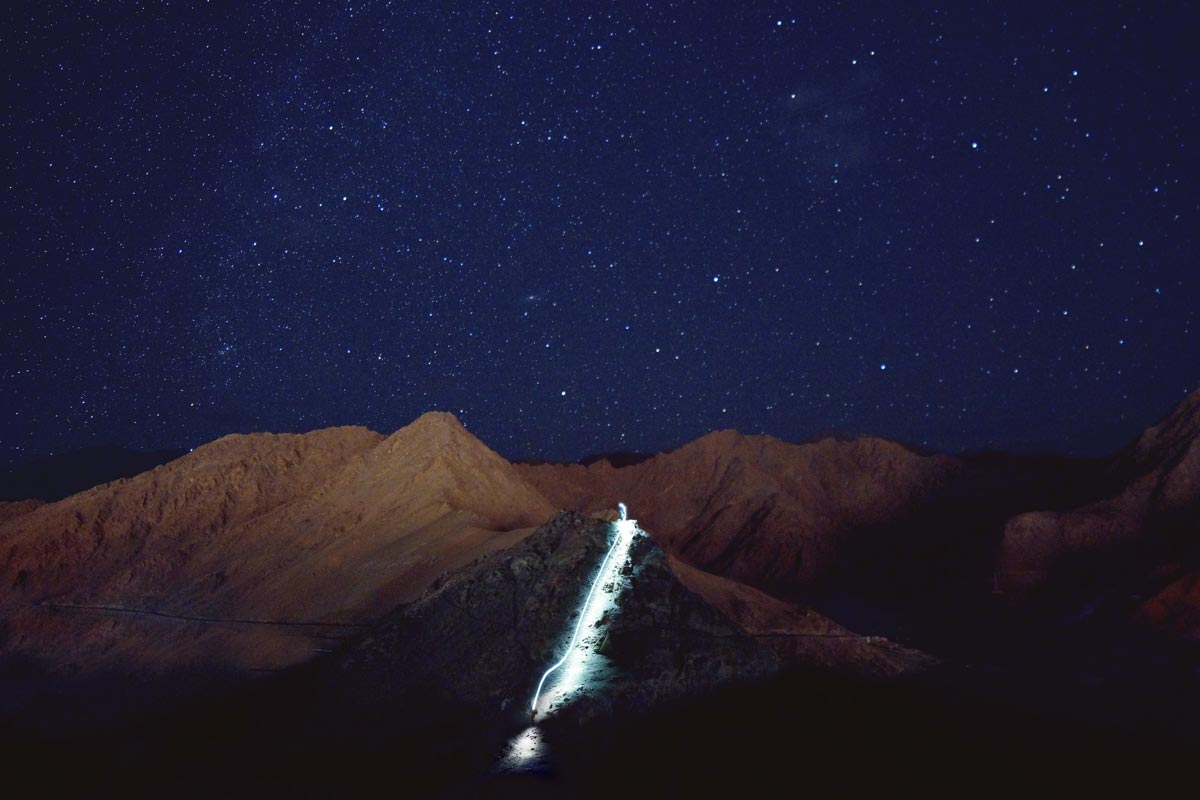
(253, 550)
(756, 509)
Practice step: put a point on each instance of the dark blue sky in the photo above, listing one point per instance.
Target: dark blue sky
(586, 228)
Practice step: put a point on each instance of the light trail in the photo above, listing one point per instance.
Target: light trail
(592, 610)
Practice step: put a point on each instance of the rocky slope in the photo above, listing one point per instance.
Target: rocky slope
(15, 508)
(484, 635)
(1142, 535)
(254, 551)
(756, 509)
(800, 635)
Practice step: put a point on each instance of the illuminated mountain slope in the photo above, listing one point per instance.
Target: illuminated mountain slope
(254, 550)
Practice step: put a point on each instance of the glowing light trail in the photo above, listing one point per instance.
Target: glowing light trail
(593, 608)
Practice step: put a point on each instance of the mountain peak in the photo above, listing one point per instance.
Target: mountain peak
(437, 419)
(434, 423)
(433, 429)
(449, 464)
(1170, 438)
(723, 439)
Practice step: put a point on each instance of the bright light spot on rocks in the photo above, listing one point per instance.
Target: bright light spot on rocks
(525, 752)
(525, 748)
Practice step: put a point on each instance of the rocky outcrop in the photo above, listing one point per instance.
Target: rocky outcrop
(1151, 520)
(1166, 443)
(254, 551)
(484, 634)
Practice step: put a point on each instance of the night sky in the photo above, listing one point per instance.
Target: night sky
(591, 228)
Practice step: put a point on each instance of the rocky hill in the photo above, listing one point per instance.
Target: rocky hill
(484, 635)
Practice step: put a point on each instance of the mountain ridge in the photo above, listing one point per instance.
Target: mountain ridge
(340, 525)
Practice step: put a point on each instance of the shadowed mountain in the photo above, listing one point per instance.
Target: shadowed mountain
(65, 474)
(867, 528)
(1141, 538)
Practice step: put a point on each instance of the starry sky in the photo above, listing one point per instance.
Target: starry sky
(587, 228)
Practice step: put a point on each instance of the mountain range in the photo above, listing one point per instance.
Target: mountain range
(422, 564)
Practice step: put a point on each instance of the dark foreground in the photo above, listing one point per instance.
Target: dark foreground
(954, 732)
